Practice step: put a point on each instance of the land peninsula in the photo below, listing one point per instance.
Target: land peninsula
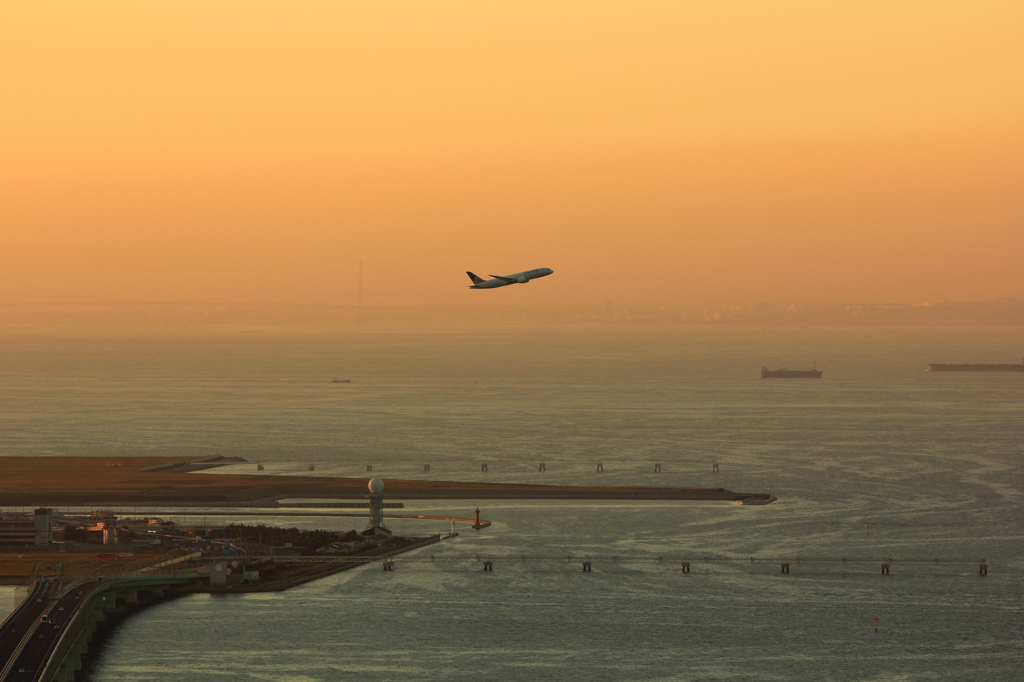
(150, 481)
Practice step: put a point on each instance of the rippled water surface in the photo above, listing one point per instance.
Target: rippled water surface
(876, 459)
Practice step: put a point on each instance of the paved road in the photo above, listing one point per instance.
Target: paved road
(24, 618)
(42, 637)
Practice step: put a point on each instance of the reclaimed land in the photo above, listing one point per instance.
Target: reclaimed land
(287, 574)
(17, 565)
(60, 481)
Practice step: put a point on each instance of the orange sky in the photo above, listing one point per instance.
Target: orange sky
(648, 152)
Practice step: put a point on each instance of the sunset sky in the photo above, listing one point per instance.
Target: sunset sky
(648, 152)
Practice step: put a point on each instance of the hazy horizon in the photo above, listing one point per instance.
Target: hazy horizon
(649, 153)
(163, 317)
(244, 228)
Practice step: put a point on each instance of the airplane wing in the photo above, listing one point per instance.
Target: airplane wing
(510, 280)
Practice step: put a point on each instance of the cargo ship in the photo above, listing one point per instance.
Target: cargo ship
(784, 373)
(1005, 367)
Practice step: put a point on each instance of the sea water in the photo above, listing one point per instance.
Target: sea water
(876, 459)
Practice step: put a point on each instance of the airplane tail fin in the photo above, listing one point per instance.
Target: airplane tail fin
(476, 280)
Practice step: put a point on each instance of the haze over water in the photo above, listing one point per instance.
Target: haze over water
(932, 462)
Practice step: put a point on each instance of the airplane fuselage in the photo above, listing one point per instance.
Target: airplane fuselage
(499, 281)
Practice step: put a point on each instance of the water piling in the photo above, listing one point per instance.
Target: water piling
(587, 563)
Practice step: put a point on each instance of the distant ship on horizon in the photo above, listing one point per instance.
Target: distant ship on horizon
(997, 367)
(784, 373)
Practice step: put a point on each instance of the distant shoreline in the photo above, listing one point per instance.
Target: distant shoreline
(1009, 312)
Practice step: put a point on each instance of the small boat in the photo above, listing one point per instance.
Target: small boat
(341, 381)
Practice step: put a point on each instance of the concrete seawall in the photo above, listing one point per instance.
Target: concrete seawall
(308, 573)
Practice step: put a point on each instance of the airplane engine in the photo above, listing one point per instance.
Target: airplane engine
(522, 280)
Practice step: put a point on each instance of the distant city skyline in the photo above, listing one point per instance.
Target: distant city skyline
(1009, 312)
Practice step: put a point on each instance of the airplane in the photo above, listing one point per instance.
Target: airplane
(498, 281)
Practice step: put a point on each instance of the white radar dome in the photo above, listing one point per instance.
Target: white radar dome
(375, 485)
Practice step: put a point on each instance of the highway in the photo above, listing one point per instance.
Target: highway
(24, 619)
(29, 664)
